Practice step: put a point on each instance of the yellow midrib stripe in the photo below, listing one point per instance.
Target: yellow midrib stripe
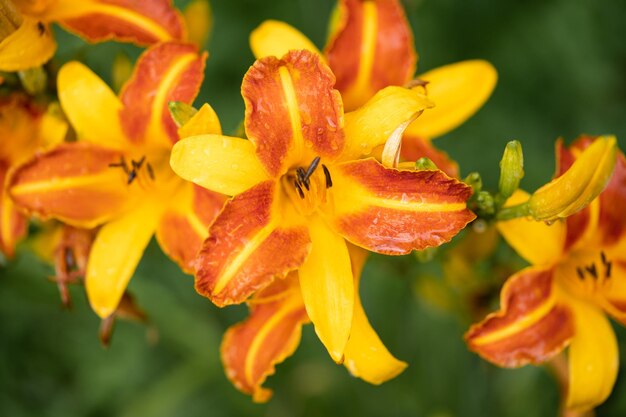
(411, 205)
(134, 18)
(55, 184)
(261, 335)
(156, 131)
(234, 265)
(293, 108)
(368, 45)
(522, 324)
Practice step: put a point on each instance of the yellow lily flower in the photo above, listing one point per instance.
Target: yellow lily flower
(25, 126)
(578, 275)
(117, 174)
(365, 37)
(300, 192)
(27, 40)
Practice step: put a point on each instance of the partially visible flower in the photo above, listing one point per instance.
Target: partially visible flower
(365, 36)
(578, 275)
(117, 175)
(300, 191)
(25, 126)
(252, 348)
(28, 40)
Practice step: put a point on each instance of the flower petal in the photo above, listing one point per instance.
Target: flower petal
(416, 147)
(366, 356)
(166, 72)
(205, 122)
(275, 38)
(370, 36)
(115, 254)
(31, 45)
(199, 21)
(535, 241)
(593, 359)
(257, 237)
(271, 333)
(222, 164)
(12, 223)
(185, 225)
(85, 194)
(293, 114)
(328, 287)
(612, 201)
(531, 326)
(91, 106)
(390, 110)
(142, 22)
(458, 90)
(394, 212)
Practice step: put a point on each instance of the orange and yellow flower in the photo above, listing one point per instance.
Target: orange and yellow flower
(301, 193)
(31, 42)
(25, 126)
(578, 275)
(366, 36)
(117, 174)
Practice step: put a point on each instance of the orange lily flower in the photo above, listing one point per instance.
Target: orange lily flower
(117, 174)
(31, 43)
(24, 127)
(367, 35)
(300, 192)
(252, 348)
(577, 275)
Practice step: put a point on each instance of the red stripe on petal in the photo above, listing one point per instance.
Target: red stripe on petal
(392, 211)
(248, 245)
(612, 218)
(166, 72)
(142, 22)
(292, 111)
(531, 326)
(252, 348)
(73, 183)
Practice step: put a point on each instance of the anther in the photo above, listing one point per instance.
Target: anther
(131, 176)
(607, 273)
(311, 168)
(121, 164)
(603, 257)
(299, 188)
(138, 164)
(150, 171)
(580, 273)
(592, 270)
(329, 180)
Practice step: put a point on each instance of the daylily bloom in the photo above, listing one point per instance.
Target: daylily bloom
(28, 40)
(578, 274)
(252, 348)
(300, 192)
(366, 35)
(24, 127)
(117, 174)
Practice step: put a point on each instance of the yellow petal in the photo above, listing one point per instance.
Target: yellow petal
(199, 22)
(328, 288)
(537, 242)
(366, 356)
(274, 38)
(579, 185)
(593, 358)
(458, 91)
(222, 164)
(115, 254)
(388, 112)
(91, 106)
(204, 122)
(31, 45)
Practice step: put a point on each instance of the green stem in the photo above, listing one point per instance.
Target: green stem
(513, 212)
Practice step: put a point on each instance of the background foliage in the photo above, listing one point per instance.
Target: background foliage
(562, 68)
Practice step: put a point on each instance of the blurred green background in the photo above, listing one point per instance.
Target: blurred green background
(562, 69)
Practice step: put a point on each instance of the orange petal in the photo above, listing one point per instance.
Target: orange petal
(293, 114)
(394, 212)
(12, 223)
(142, 22)
(185, 225)
(371, 35)
(252, 348)
(252, 241)
(73, 183)
(414, 148)
(612, 201)
(531, 326)
(166, 72)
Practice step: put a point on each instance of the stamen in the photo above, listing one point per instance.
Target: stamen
(603, 257)
(68, 256)
(607, 273)
(592, 270)
(580, 273)
(121, 164)
(150, 171)
(312, 168)
(329, 180)
(299, 188)
(138, 164)
(131, 176)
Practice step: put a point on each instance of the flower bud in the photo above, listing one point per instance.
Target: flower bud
(511, 171)
(425, 164)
